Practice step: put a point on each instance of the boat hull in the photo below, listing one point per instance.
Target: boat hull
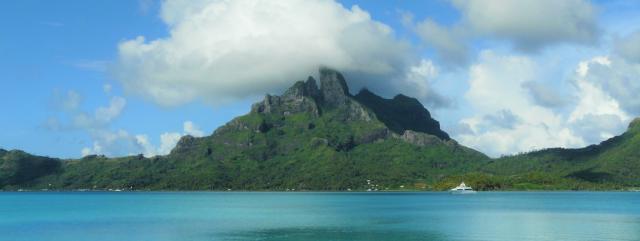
(462, 192)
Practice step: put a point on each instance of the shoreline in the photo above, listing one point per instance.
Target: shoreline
(307, 191)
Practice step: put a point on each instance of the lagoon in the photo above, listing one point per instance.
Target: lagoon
(199, 216)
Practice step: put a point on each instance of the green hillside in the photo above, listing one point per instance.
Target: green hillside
(18, 168)
(309, 138)
(614, 163)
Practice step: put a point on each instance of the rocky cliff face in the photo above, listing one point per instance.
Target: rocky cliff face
(402, 115)
(335, 92)
(305, 96)
(301, 97)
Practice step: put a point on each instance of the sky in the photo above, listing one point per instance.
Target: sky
(128, 77)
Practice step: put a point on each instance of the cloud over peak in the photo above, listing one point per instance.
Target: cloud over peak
(219, 51)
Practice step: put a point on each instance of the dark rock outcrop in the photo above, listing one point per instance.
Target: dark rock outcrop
(373, 136)
(334, 88)
(419, 139)
(305, 96)
(401, 113)
(301, 97)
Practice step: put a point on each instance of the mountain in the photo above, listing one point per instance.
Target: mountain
(309, 138)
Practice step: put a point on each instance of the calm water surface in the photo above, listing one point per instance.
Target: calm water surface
(201, 216)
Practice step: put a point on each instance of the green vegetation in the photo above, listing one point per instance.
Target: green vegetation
(613, 164)
(314, 138)
(18, 168)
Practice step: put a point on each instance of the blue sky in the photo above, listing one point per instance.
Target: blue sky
(127, 77)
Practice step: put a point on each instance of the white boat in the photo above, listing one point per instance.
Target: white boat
(462, 189)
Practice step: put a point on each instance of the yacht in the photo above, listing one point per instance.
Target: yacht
(462, 189)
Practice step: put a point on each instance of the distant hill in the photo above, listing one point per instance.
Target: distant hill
(614, 162)
(18, 168)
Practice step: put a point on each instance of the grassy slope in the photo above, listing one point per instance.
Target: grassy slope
(18, 168)
(299, 151)
(614, 163)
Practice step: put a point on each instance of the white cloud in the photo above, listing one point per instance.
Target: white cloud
(505, 120)
(450, 44)
(421, 79)
(602, 110)
(112, 143)
(614, 77)
(494, 87)
(629, 47)
(69, 105)
(544, 95)
(528, 25)
(592, 99)
(69, 101)
(597, 127)
(86, 151)
(106, 114)
(620, 79)
(532, 24)
(106, 88)
(106, 140)
(120, 142)
(147, 147)
(167, 142)
(192, 129)
(219, 51)
(92, 65)
(502, 119)
(145, 6)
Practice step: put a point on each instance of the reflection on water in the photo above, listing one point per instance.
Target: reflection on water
(335, 234)
(500, 216)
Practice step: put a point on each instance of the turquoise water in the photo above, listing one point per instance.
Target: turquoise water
(319, 216)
